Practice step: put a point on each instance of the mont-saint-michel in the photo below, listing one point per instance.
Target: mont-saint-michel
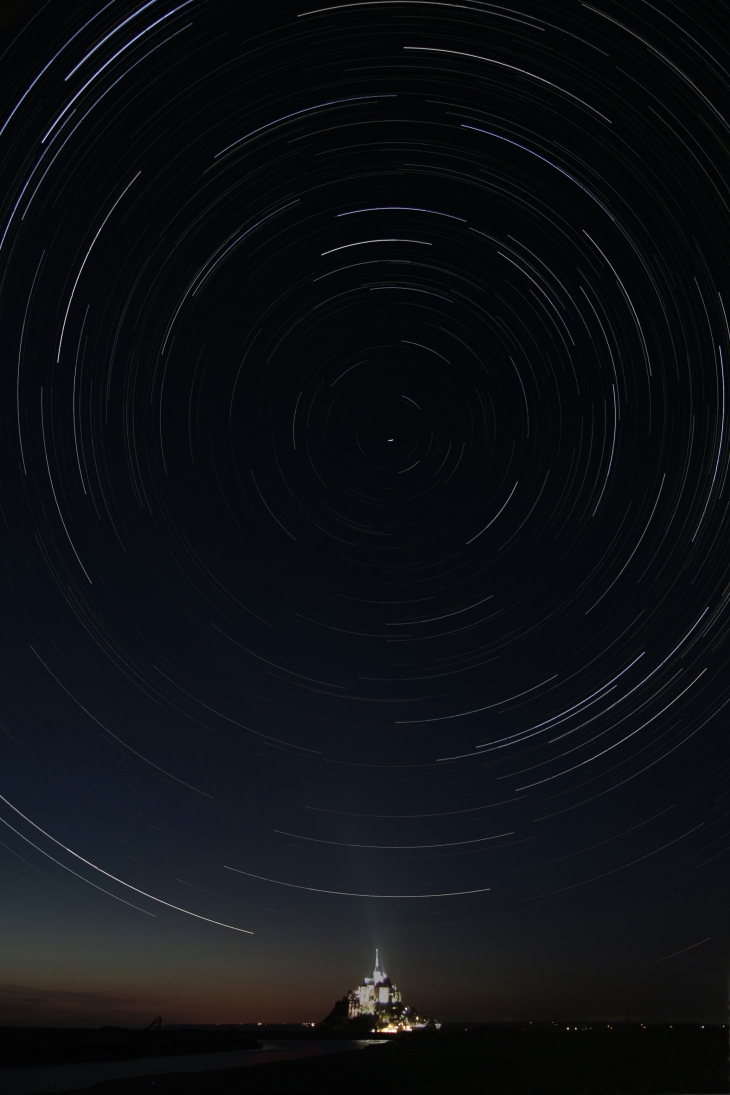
(377, 1007)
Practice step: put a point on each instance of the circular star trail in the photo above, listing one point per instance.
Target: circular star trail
(366, 448)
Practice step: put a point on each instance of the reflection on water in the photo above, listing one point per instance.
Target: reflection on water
(30, 1081)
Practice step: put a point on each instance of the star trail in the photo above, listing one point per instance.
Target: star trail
(365, 496)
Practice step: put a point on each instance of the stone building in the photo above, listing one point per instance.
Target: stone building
(377, 992)
(379, 997)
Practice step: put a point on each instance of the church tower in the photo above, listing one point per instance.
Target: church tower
(378, 973)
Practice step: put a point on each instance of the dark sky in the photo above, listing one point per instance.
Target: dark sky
(365, 566)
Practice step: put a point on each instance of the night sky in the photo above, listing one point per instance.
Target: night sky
(364, 508)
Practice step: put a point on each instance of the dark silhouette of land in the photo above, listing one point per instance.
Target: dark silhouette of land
(38, 1046)
(507, 1060)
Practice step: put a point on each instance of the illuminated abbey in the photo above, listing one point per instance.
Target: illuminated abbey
(379, 997)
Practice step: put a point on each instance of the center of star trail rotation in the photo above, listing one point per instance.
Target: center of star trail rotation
(365, 477)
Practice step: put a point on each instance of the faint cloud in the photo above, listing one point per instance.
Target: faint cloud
(30, 1004)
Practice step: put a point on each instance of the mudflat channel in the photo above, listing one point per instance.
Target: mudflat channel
(143, 1073)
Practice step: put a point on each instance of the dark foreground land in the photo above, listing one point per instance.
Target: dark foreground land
(38, 1046)
(506, 1061)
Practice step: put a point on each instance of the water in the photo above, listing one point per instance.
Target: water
(52, 1078)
